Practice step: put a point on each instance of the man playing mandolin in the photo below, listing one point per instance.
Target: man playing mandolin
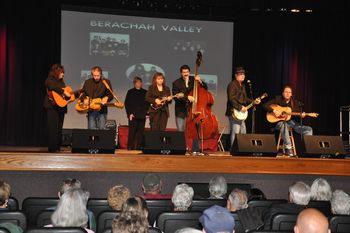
(285, 110)
(237, 99)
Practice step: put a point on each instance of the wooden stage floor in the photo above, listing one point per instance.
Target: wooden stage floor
(36, 159)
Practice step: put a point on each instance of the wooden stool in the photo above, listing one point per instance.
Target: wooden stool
(280, 142)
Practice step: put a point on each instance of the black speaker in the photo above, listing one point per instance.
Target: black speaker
(93, 141)
(323, 147)
(162, 142)
(254, 145)
(66, 137)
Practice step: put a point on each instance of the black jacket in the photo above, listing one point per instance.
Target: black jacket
(250, 218)
(135, 103)
(236, 97)
(153, 93)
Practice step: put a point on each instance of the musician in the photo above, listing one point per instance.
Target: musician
(287, 100)
(184, 85)
(95, 88)
(237, 99)
(136, 109)
(158, 96)
(55, 114)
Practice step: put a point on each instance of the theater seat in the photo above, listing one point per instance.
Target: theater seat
(44, 218)
(32, 206)
(323, 206)
(154, 230)
(339, 223)
(169, 222)
(4, 230)
(202, 204)
(156, 207)
(284, 222)
(263, 205)
(16, 217)
(56, 230)
(105, 219)
(98, 205)
(12, 204)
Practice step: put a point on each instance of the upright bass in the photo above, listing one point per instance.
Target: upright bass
(201, 123)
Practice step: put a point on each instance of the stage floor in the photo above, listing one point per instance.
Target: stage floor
(37, 159)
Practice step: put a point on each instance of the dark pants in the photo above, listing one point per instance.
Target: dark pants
(158, 120)
(136, 129)
(55, 118)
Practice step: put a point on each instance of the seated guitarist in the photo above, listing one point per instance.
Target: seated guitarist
(286, 100)
(237, 98)
(95, 88)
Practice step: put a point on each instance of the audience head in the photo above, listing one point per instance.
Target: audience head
(151, 184)
(311, 221)
(182, 197)
(71, 209)
(188, 230)
(217, 219)
(135, 206)
(217, 187)
(237, 200)
(299, 193)
(321, 190)
(5, 190)
(340, 202)
(117, 195)
(67, 184)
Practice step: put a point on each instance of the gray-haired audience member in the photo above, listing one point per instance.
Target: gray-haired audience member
(182, 197)
(217, 187)
(299, 197)
(340, 202)
(311, 221)
(188, 230)
(71, 210)
(67, 184)
(250, 217)
(152, 187)
(321, 190)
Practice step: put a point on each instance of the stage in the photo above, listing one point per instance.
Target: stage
(36, 159)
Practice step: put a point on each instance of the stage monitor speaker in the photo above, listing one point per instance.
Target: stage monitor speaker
(162, 142)
(323, 147)
(93, 141)
(66, 137)
(254, 145)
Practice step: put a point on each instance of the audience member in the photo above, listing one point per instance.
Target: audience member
(5, 191)
(321, 190)
(217, 219)
(217, 187)
(152, 187)
(71, 210)
(188, 230)
(340, 202)
(250, 217)
(136, 206)
(311, 221)
(299, 197)
(182, 197)
(117, 195)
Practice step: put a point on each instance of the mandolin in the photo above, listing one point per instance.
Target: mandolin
(164, 99)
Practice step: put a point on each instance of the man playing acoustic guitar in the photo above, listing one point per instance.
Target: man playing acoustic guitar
(285, 110)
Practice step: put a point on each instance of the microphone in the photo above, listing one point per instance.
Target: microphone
(249, 82)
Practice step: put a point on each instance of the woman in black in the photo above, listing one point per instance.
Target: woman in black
(158, 96)
(55, 113)
(136, 109)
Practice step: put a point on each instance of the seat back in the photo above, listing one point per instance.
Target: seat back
(16, 217)
(56, 230)
(169, 222)
(202, 204)
(4, 230)
(105, 219)
(32, 206)
(339, 223)
(263, 205)
(284, 222)
(12, 204)
(323, 206)
(154, 230)
(156, 207)
(44, 218)
(98, 205)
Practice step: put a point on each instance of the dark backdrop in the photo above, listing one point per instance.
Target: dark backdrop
(309, 51)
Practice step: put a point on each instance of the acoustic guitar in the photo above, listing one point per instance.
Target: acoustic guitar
(241, 116)
(61, 100)
(95, 105)
(164, 99)
(286, 114)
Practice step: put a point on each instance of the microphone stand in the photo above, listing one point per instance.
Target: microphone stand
(300, 105)
(253, 112)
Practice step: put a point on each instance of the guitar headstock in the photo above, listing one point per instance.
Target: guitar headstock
(263, 96)
(199, 58)
(179, 95)
(313, 114)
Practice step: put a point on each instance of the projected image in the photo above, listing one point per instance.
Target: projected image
(109, 44)
(188, 46)
(211, 81)
(144, 71)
